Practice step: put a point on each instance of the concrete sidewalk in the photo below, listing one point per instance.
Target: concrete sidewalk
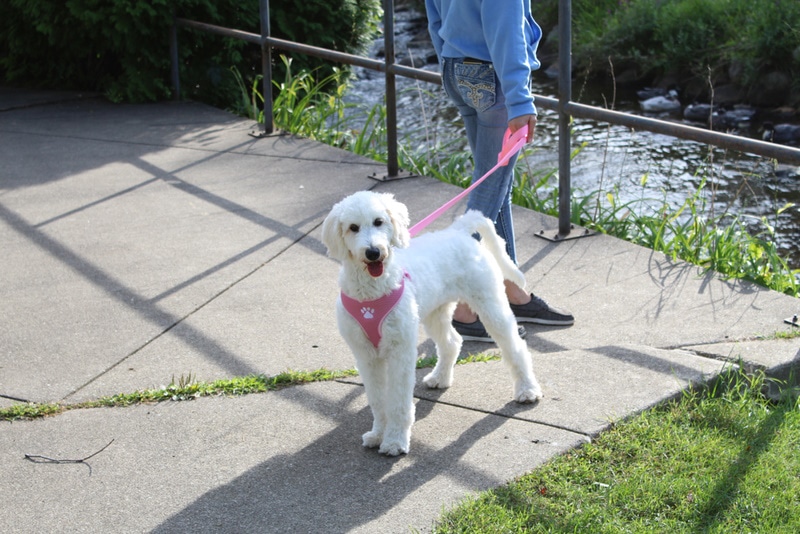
(145, 243)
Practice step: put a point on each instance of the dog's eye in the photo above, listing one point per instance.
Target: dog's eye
(354, 228)
(377, 222)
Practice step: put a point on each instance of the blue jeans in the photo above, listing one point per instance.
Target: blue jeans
(475, 91)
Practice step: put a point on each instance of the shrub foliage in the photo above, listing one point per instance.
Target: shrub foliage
(121, 47)
(741, 41)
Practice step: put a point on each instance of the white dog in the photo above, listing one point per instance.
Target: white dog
(389, 283)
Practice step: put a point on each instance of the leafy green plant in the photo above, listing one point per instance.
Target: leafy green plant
(728, 244)
(742, 40)
(346, 25)
(251, 101)
(121, 47)
(314, 107)
(303, 106)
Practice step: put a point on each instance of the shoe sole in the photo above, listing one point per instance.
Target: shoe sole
(466, 337)
(548, 322)
(476, 338)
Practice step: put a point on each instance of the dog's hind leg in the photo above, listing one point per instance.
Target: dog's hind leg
(501, 325)
(439, 327)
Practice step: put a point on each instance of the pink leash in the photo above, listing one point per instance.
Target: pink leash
(512, 143)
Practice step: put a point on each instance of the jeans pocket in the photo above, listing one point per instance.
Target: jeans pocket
(477, 84)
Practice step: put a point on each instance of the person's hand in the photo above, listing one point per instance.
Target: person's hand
(518, 122)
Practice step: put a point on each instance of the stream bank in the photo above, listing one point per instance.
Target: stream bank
(612, 158)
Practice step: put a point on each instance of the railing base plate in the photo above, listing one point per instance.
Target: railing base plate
(555, 237)
(401, 175)
(259, 133)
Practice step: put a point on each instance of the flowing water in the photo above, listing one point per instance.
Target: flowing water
(612, 158)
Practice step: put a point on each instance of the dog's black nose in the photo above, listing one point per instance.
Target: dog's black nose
(372, 254)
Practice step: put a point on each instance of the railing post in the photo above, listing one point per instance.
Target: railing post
(564, 97)
(266, 67)
(393, 167)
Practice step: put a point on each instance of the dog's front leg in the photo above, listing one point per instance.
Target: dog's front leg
(373, 373)
(401, 365)
(399, 410)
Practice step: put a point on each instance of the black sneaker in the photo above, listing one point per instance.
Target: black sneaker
(539, 312)
(476, 331)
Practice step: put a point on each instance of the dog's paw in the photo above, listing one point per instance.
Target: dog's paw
(393, 448)
(526, 391)
(436, 381)
(371, 439)
(527, 396)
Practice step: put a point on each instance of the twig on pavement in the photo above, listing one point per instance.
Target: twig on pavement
(38, 459)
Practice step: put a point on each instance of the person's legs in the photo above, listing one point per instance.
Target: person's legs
(475, 91)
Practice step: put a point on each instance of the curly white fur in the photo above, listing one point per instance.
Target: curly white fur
(368, 233)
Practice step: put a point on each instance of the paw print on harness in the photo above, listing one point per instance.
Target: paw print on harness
(371, 313)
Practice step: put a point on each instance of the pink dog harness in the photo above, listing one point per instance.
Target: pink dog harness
(370, 314)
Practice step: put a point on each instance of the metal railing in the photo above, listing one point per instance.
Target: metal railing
(564, 105)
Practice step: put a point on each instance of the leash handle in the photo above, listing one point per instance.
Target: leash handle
(512, 143)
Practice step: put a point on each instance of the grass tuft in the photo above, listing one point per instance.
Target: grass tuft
(430, 361)
(186, 388)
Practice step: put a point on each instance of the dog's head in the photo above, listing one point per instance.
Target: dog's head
(364, 227)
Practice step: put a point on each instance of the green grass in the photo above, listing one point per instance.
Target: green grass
(185, 388)
(430, 361)
(721, 460)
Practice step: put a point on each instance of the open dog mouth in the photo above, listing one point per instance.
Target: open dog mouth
(375, 268)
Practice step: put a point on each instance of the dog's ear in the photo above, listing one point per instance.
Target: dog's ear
(398, 212)
(332, 234)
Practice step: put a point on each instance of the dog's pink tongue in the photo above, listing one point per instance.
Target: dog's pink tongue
(375, 268)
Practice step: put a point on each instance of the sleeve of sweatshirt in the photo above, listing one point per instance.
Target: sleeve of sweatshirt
(434, 25)
(512, 36)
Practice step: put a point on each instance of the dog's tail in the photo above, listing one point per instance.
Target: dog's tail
(474, 221)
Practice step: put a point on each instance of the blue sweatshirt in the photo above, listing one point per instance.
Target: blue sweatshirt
(500, 31)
